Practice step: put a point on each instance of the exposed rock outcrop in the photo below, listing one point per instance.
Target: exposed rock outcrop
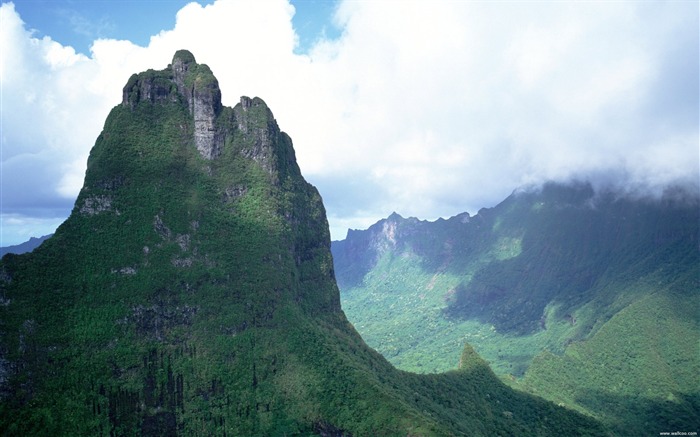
(262, 127)
(96, 204)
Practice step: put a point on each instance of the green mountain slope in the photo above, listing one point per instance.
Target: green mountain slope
(192, 292)
(548, 286)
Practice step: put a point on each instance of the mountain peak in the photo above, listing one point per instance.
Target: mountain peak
(183, 57)
(186, 82)
(394, 216)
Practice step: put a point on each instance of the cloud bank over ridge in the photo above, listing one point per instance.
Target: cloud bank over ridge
(429, 110)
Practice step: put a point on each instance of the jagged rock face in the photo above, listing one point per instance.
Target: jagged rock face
(205, 105)
(180, 66)
(153, 89)
(262, 134)
(361, 250)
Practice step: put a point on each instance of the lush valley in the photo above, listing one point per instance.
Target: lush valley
(589, 299)
(192, 292)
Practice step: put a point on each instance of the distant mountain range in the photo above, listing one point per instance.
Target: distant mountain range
(25, 247)
(590, 299)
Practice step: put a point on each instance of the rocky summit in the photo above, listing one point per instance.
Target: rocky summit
(191, 292)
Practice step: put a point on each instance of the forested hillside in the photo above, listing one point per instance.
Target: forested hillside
(587, 298)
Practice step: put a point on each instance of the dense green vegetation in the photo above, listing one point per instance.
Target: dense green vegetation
(584, 298)
(194, 295)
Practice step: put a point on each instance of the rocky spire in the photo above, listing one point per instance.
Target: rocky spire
(200, 89)
(182, 61)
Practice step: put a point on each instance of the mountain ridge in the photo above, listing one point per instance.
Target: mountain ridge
(534, 282)
(24, 247)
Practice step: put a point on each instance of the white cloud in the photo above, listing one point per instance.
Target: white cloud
(22, 227)
(429, 110)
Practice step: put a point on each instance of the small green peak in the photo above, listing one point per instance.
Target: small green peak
(470, 359)
(184, 56)
(257, 101)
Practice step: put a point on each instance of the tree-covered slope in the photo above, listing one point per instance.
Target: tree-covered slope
(192, 292)
(547, 286)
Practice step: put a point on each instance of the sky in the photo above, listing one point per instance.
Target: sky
(426, 108)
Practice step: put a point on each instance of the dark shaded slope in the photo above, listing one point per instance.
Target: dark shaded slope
(574, 244)
(191, 292)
